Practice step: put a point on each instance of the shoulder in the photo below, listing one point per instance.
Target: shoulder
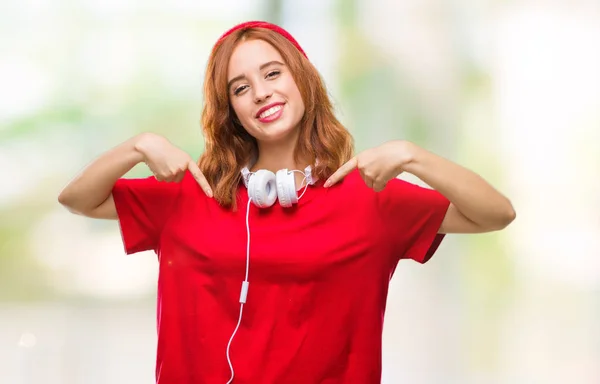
(144, 187)
(398, 187)
(352, 192)
(189, 185)
(411, 198)
(353, 182)
(150, 190)
(191, 196)
(395, 188)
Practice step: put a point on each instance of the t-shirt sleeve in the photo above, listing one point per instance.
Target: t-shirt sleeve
(413, 215)
(143, 207)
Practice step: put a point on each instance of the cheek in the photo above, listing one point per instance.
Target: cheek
(240, 110)
(297, 96)
(300, 102)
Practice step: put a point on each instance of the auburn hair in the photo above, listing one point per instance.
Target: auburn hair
(323, 140)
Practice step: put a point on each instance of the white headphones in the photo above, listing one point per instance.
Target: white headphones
(264, 187)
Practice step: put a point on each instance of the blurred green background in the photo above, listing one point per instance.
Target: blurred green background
(510, 89)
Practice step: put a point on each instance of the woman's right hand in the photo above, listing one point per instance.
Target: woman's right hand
(168, 162)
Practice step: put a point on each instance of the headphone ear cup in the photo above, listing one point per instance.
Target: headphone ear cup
(286, 188)
(262, 188)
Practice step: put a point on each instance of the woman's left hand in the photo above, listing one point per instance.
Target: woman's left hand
(377, 165)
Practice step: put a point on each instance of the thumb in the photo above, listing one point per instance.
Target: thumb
(379, 185)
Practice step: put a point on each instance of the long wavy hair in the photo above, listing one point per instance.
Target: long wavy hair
(229, 147)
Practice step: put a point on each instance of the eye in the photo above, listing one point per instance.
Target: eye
(239, 89)
(273, 73)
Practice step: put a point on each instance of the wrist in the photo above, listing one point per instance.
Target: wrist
(140, 144)
(412, 156)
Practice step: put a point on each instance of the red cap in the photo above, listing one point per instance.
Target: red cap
(266, 25)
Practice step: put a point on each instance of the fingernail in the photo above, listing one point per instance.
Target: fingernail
(327, 183)
(209, 193)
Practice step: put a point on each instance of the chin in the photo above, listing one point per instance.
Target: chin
(274, 138)
(270, 134)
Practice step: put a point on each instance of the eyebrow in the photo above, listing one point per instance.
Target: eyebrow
(262, 66)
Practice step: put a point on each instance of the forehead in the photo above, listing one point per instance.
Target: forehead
(249, 55)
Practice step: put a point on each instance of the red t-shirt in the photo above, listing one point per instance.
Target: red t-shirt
(319, 275)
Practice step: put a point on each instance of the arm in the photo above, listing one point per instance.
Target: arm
(89, 193)
(475, 205)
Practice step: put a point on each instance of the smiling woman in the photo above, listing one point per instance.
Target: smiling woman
(320, 260)
(254, 70)
(265, 99)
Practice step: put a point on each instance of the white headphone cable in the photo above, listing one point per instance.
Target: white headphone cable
(244, 291)
(302, 183)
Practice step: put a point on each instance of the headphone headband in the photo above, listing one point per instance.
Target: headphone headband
(307, 172)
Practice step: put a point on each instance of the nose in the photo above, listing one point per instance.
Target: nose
(261, 92)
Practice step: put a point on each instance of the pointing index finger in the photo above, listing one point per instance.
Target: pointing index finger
(342, 172)
(195, 171)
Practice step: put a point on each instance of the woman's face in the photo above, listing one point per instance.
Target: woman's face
(263, 93)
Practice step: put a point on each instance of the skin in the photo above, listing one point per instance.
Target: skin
(90, 192)
(475, 206)
(258, 77)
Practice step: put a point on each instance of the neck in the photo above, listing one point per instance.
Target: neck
(275, 157)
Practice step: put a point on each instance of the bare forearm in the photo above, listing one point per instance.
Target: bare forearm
(474, 197)
(90, 188)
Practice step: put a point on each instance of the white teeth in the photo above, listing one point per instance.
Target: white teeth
(270, 111)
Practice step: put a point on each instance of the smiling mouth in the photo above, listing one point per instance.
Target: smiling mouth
(271, 114)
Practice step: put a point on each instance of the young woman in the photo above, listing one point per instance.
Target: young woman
(276, 249)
